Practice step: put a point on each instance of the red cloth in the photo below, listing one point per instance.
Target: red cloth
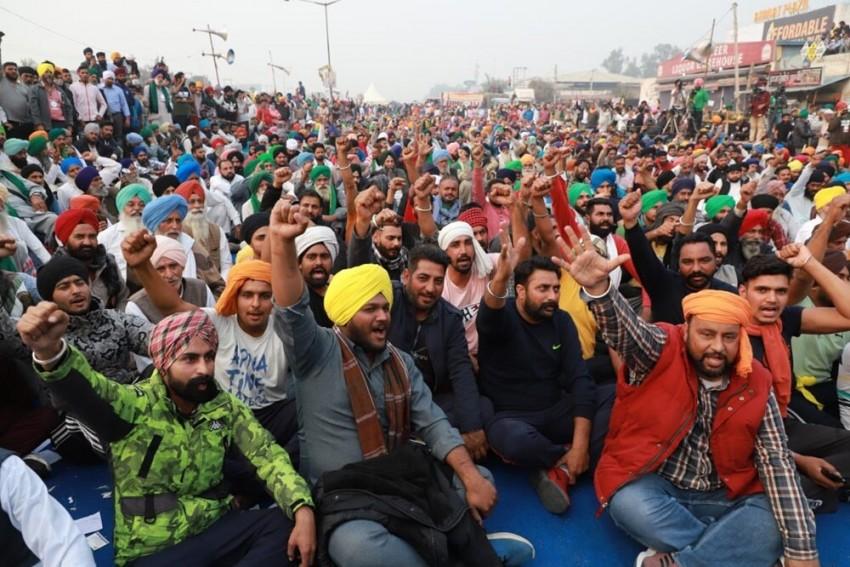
(649, 422)
(778, 360)
(473, 217)
(188, 188)
(70, 219)
(754, 218)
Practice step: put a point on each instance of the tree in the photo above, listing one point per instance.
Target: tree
(661, 52)
(632, 69)
(544, 91)
(494, 85)
(615, 61)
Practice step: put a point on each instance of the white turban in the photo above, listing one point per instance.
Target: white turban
(482, 264)
(317, 235)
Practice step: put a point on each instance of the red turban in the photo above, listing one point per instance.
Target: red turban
(70, 219)
(189, 188)
(89, 202)
(754, 218)
(473, 216)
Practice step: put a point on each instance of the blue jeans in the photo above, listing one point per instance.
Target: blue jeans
(700, 528)
(364, 543)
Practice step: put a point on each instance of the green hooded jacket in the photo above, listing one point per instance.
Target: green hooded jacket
(157, 452)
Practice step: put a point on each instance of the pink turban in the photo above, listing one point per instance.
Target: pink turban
(168, 248)
(171, 336)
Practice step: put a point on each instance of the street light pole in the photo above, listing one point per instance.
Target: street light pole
(214, 58)
(327, 41)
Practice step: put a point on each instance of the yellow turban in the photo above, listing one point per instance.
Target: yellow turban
(795, 165)
(44, 68)
(727, 308)
(236, 278)
(825, 196)
(353, 288)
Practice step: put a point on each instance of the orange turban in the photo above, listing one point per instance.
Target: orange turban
(728, 308)
(89, 202)
(236, 278)
(189, 188)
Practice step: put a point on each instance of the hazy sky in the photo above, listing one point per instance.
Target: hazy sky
(404, 47)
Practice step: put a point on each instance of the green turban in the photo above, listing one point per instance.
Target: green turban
(148, 131)
(255, 180)
(320, 171)
(804, 113)
(55, 133)
(714, 204)
(133, 190)
(250, 166)
(652, 198)
(576, 190)
(514, 165)
(37, 146)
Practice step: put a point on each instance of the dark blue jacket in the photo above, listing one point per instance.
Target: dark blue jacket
(444, 336)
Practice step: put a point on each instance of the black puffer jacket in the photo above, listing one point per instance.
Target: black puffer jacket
(409, 493)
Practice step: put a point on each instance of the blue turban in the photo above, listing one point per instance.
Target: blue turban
(184, 158)
(141, 148)
(134, 139)
(186, 169)
(303, 158)
(842, 178)
(66, 163)
(157, 210)
(85, 176)
(205, 123)
(603, 175)
(682, 183)
(126, 163)
(440, 154)
(396, 151)
(14, 146)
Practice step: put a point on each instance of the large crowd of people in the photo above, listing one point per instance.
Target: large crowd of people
(343, 309)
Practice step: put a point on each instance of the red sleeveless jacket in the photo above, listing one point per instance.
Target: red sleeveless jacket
(649, 422)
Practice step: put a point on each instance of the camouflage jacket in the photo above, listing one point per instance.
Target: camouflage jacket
(158, 452)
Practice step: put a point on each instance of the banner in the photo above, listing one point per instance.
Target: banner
(792, 78)
(787, 9)
(809, 25)
(722, 57)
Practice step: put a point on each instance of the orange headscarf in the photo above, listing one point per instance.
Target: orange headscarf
(778, 359)
(728, 308)
(236, 278)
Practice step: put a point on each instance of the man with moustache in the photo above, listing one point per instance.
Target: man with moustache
(170, 435)
(76, 233)
(431, 330)
(549, 414)
(220, 208)
(209, 235)
(317, 250)
(130, 202)
(106, 337)
(666, 287)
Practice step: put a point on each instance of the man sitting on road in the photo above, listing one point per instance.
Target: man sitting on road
(169, 438)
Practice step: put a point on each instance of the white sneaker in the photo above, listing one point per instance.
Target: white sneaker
(644, 555)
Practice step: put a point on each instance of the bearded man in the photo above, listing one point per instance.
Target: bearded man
(130, 202)
(197, 225)
(76, 233)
